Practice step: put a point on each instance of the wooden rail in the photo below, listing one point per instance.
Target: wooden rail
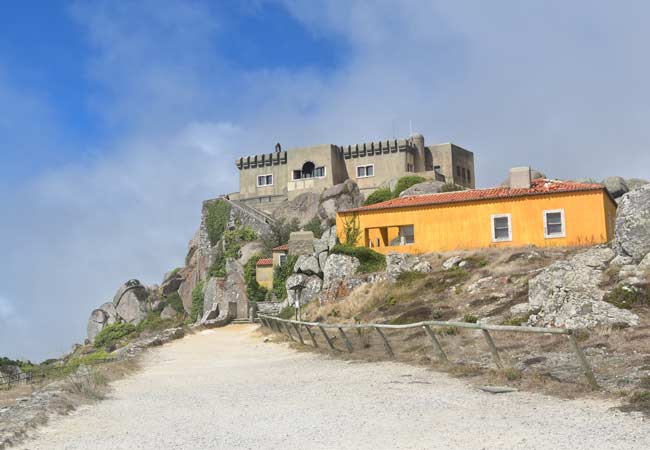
(270, 321)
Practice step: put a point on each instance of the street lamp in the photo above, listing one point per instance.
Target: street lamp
(297, 288)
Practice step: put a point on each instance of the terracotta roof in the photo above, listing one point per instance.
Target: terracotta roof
(281, 248)
(265, 262)
(539, 186)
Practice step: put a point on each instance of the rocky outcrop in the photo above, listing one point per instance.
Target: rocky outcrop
(309, 287)
(616, 186)
(307, 264)
(338, 267)
(249, 250)
(96, 323)
(168, 313)
(130, 302)
(632, 236)
(428, 187)
(567, 293)
(302, 208)
(397, 263)
(338, 198)
(171, 283)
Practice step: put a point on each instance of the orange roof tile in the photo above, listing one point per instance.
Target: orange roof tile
(539, 186)
(265, 262)
(281, 248)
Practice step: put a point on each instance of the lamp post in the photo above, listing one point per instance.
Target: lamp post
(298, 290)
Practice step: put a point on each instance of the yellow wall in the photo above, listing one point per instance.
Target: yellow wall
(468, 225)
(264, 276)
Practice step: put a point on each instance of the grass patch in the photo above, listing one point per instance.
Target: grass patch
(153, 322)
(409, 277)
(626, 297)
(516, 321)
(197, 302)
(370, 260)
(174, 300)
(111, 334)
(280, 275)
(470, 318)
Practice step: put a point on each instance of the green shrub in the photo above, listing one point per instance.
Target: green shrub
(470, 318)
(216, 221)
(406, 182)
(97, 357)
(288, 312)
(196, 310)
(380, 195)
(280, 275)
(174, 300)
(516, 321)
(626, 297)
(153, 322)
(370, 260)
(255, 292)
(451, 187)
(314, 227)
(110, 334)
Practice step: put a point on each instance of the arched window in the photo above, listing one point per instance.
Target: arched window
(308, 169)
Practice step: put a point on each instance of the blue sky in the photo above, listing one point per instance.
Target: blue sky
(118, 118)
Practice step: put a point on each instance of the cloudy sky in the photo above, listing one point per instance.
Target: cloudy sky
(118, 118)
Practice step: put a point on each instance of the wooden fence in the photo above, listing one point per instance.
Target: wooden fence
(285, 326)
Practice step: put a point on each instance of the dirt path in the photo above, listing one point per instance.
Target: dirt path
(226, 389)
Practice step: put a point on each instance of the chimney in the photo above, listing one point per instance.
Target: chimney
(519, 178)
(278, 148)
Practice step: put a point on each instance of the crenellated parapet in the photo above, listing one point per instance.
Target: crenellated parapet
(375, 148)
(262, 160)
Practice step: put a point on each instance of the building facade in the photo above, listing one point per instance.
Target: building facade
(266, 180)
(545, 213)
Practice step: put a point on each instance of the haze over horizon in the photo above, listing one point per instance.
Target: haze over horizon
(117, 119)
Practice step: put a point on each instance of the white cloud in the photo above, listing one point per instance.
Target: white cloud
(557, 85)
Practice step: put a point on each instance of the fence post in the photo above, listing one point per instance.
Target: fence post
(296, 327)
(327, 338)
(436, 343)
(286, 327)
(311, 335)
(389, 350)
(589, 374)
(493, 349)
(348, 344)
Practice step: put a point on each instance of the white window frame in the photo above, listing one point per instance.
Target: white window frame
(499, 216)
(402, 237)
(356, 170)
(265, 175)
(554, 235)
(282, 259)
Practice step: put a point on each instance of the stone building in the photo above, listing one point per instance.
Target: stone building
(268, 179)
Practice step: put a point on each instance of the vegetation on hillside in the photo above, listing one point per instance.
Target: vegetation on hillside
(278, 234)
(314, 226)
(380, 195)
(216, 221)
(174, 300)
(255, 292)
(406, 182)
(231, 244)
(111, 334)
(384, 194)
(196, 310)
(280, 275)
(370, 260)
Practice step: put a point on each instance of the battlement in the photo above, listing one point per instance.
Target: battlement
(261, 160)
(374, 148)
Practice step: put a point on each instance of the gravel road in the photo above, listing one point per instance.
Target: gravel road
(226, 389)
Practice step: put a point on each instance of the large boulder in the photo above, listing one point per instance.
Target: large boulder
(616, 186)
(635, 183)
(249, 250)
(235, 288)
(428, 187)
(96, 323)
(567, 293)
(303, 207)
(307, 264)
(310, 287)
(130, 302)
(171, 283)
(338, 267)
(339, 197)
(329, 238)
(632, 236)
(213, 293)
(168, 312)
(397, 263)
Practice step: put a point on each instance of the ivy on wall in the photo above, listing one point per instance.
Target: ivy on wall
(216, 221)
(280, 275)
(255, 292)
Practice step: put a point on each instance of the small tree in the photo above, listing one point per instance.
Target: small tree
(314, 227)
(280, 275)
(351, 229)
(255, 292)
(278, 233)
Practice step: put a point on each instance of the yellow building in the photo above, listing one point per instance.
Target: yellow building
(265, 267)
(542, 213)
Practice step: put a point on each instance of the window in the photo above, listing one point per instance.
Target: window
(469, 176)
(458, 171)
(436, 169)
(406, 235)
(283, 259)
(309, 171)
(365, 171)
(554, 224)
(319, 172)
(462, 171)
(264, 180)
(409, 167)
(501, 228)
(378, 242)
